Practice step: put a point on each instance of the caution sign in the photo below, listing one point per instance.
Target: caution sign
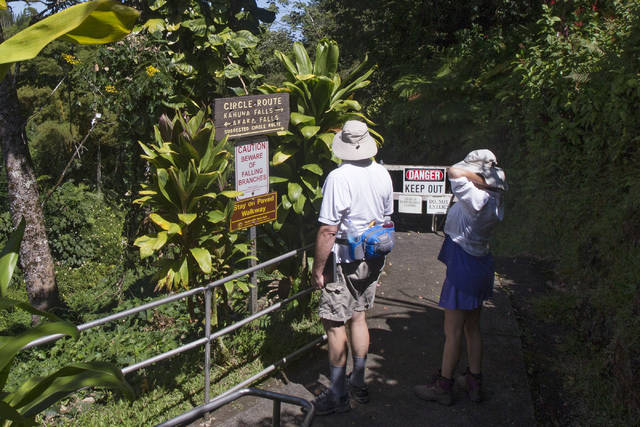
(252, 166)
(423, 180)
(438, 205)
(242, 116)
(254, 211)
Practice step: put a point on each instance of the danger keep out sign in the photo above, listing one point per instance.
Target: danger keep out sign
(423, 180)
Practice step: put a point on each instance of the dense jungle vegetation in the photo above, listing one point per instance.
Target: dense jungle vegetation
(551, 87)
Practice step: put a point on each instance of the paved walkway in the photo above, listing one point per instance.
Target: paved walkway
(406, 345)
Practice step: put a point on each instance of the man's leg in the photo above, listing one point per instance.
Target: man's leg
(359, 347)
(337, 340)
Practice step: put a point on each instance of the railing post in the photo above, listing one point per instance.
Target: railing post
(207, 346)
(276, 413)
(253, 292)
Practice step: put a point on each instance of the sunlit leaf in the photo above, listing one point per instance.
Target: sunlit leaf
(203, 258)
(93, 22)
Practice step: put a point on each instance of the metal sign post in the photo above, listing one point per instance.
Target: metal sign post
(244, 117)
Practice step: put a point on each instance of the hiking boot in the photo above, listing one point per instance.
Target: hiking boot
(357, 393)
(439, 389)
(472, 384)
(326, 403)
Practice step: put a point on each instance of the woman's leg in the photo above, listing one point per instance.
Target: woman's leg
(453, 327)
(474, 339)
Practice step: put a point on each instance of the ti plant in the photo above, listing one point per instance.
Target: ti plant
(190, 205)
(321, 101)
(20, 407)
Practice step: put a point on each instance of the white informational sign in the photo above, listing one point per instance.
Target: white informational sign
(438, 205)
(423, 180)
(409, 204)
(252, 166)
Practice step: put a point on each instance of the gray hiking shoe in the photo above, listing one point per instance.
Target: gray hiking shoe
(439, 389)
(472, 384)
(326, 403)
(357, 393)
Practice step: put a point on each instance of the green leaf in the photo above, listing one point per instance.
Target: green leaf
(37, 394)
(228, 286)
(203, 258)
(291, 68)
(187, 218)
(282, 155)
(154, 25)
(294, 191)
(8, 303)
(297, 118)
(309, 131)
(277, 179)
(10, 414)
(148, 244)
(327, 138)
(10, 348)
(303, 63)
(286, 204)
(231, 194)
(216, 216)
(298, 206)
(184, 272)
(94, 22)
(243, 286)
(9, 257)
(314, 168)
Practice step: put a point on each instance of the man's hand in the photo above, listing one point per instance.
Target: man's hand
(318, 280)
(325, 239)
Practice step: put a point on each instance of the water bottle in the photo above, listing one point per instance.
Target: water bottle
(387, 222)
(352, 232)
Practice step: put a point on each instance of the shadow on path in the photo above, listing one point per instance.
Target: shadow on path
(406, 345)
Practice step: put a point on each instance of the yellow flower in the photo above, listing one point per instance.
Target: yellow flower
(151, 70)
(70, 59)
(111, 89)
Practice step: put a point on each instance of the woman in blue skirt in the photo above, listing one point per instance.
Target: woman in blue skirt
(478, 185)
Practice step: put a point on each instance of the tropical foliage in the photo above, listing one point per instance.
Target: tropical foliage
(321, 101)
(20, 406)
(190, 203)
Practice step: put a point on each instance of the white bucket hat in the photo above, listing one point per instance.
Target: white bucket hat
(484, 162)
(354, 142)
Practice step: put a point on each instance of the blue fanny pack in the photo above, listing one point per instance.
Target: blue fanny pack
(376, 241)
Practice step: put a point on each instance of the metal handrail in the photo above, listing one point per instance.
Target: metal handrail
(277, 398)
(171, 298)
(207, 289)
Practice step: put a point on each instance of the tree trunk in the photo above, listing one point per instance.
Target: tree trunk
(24, 200)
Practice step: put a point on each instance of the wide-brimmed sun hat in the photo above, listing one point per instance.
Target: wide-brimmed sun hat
(484, 162)
(354, 142)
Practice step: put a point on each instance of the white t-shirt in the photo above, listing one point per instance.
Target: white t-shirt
(359, 192)
(471, 220)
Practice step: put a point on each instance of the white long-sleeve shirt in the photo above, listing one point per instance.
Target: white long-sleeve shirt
(471, 220)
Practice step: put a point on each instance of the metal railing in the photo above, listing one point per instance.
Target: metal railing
(277, 399)
(209, 336)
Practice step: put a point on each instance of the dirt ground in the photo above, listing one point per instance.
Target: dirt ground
(406, 342)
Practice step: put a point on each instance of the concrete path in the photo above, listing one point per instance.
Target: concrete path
(406, 348)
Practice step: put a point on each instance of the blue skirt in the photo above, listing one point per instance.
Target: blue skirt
(469, 279)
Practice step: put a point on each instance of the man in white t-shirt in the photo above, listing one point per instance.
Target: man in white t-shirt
(356, 194)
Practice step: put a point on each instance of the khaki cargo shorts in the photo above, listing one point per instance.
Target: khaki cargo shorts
(354, 290)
